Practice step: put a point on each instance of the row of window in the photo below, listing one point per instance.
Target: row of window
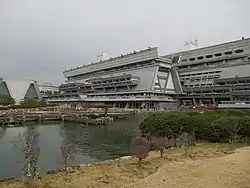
(200, 73)
(245, 84)
(204, 78)
(225, 62)
(214, 55)
(198, 85)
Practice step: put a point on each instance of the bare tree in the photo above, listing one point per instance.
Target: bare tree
(230, 126)
(68, 155)
(184, 141)
(31, 152)
(159, 143)
(142, 148)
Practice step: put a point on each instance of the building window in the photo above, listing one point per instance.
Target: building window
(184, 60)
(200, 57)
(228, 53)
(209, 56)
(192, 59)
(218, 54)
(239, 51)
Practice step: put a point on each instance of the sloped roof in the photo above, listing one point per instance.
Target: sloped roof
(18, 88)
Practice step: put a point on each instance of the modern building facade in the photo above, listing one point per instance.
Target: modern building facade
(214, 74)
(208, 75)
(48, 90)
(20, 89)
(140, 79)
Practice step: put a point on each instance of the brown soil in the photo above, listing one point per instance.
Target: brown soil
(231, 171)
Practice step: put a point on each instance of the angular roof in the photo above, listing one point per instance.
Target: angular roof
(20, 89)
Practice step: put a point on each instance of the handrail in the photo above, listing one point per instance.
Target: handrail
(235, 102)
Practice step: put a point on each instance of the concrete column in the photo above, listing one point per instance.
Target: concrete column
(194, 101)
(213, 100)
(40, 119)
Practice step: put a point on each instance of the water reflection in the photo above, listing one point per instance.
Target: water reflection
(2, 132)
(92, 143)
(102, 143)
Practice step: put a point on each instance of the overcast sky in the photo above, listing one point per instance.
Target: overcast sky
(41, 38)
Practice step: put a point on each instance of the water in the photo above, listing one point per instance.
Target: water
(93, 144)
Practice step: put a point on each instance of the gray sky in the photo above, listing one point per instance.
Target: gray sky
(41, 38)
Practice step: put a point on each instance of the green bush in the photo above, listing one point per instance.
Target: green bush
(6, 100)
(29, 103)
(217, 125)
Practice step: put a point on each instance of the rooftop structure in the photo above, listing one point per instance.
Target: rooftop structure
(215, 73)
(137, 79)
(20, 89)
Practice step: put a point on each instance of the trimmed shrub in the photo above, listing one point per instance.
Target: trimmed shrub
(217, 125)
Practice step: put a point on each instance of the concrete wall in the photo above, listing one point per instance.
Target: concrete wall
(212, 50)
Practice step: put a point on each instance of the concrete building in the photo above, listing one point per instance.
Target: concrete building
(215, 73)
(208, 75)
(48, 90)
(20, 89)
(135, 80)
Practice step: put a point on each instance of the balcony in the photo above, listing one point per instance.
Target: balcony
(233, 104)
(129, 98)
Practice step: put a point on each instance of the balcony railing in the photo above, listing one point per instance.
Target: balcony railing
(116, 98)
(234, 104)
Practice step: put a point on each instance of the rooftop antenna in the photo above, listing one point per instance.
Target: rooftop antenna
(195, 42)
(103, 56)
(186, 43)
(191, 44)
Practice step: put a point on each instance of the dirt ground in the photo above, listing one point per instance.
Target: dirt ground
(212, 166)
(231, 171)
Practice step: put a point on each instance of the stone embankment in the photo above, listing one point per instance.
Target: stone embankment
(19, 117)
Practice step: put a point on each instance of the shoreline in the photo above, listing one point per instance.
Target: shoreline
(54, 171)
(124, 171)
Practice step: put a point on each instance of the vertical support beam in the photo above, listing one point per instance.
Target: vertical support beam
(159, 83)
(127, 84)
(113, 81)
(102, 85)
(230, 94)
(194, 101)
(84, 86)
(165, 87)
(213, 100)
(154, 77)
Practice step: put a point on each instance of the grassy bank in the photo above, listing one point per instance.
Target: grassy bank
(122, 173)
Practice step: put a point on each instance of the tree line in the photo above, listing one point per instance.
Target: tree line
(221, 125)
(7, 101)
(162, 130)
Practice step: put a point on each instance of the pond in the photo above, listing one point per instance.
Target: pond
(92, 143)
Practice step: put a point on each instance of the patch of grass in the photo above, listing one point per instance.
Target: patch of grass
(121, 172)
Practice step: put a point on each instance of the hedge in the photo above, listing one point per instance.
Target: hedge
(217, 125)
